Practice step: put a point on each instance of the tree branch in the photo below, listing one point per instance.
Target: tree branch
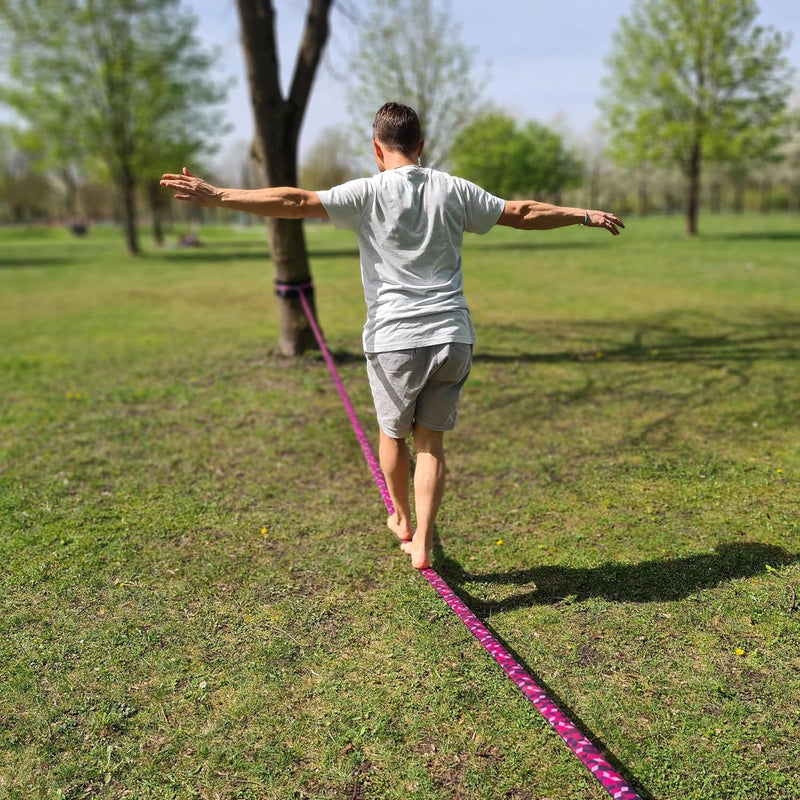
(315, 35)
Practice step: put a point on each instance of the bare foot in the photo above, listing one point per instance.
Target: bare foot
(420, 556)
(400, 529)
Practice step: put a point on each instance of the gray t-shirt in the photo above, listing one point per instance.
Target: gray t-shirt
(410, 223)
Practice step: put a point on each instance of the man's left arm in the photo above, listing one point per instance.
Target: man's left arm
(531, 215)
(285, 202)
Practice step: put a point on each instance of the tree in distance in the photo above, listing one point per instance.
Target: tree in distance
(115, 87)
(696, 81)
(330, 160)
(512, 161)
(410, 52)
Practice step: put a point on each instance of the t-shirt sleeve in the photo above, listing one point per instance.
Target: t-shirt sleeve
(482, 208)
(345, 204)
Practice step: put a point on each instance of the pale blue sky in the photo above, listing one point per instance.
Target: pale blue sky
(545, 58)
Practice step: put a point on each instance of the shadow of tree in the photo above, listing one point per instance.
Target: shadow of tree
(673, 336)
(36, 261)
(650, 581)
(755, 236)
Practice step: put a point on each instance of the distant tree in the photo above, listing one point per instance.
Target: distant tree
(278, 121)
(692, 81)
(410, 52)
(122, 85)
(25, 193)
(510, 161)
(330, 160)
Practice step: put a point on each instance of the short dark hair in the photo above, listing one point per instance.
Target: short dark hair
(397, 127)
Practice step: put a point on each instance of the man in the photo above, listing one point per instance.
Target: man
(418, 335)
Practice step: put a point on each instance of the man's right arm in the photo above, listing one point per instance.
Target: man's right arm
(285, 202)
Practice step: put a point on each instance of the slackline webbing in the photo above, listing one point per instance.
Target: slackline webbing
(589, 755)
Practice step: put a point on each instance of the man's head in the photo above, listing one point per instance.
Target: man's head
(397, 129)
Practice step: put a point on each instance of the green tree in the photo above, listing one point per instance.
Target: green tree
(410, 52)
(693, 81)
(120, 85)
(510, 161)
(330, 160)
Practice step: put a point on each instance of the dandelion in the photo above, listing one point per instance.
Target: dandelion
(739, 651)
(264, 531)
(499, 541)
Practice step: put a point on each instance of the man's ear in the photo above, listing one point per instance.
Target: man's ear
(420, 148)
(378, 151)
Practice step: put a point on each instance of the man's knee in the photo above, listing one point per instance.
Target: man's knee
(428, 441)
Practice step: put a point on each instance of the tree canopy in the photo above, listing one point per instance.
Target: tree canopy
(121, 85)
(410, 52)
(696, 80)
(512, 161)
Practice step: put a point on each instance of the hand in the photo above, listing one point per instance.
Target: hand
(194, 190)
(602, 219)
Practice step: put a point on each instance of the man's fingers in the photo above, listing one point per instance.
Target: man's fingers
(610, 222)
(174, 180)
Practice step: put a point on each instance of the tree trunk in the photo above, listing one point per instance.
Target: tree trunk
(71, 197)
(715, 196)
(693, 189)
(278, 121)
(127, 186)
(155, 198)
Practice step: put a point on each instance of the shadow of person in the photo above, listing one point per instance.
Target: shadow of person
(649, 581)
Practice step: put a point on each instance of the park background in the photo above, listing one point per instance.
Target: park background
(198, 595)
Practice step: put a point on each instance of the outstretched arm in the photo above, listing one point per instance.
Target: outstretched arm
(531, 215)
(285, 202)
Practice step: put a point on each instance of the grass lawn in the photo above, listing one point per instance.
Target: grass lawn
(200, 598)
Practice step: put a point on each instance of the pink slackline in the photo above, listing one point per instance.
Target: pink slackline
(591, 757)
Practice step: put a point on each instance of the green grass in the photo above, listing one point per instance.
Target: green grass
(199, 598)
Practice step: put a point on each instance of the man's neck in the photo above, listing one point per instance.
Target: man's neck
(395, 160)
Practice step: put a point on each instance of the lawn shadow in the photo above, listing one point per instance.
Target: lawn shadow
(244, 251)
(662, 580)
(677, 336)
(455, 576)
(533, 243)
(36, 261)
(672, 338)
(756, 236)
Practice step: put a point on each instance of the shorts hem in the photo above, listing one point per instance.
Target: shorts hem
(395, 435)
(436, 428)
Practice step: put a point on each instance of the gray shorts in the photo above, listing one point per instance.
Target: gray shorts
(421, 386)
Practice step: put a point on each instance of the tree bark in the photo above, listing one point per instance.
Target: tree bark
(278, 121)
(155, 199)
(693, 188)
(127, 187)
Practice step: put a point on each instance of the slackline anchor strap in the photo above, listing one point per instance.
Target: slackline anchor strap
(293, 289)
